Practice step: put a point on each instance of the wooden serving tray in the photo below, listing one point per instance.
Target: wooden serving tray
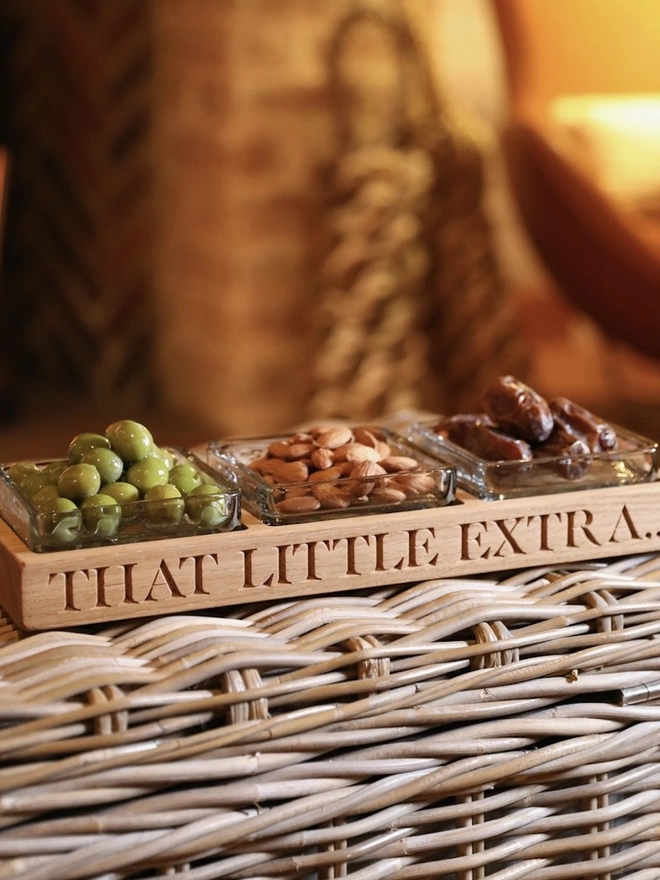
(68, 588)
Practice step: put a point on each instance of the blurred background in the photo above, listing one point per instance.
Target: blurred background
(226, 217)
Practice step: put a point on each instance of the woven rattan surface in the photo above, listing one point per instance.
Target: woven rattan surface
(491, 727)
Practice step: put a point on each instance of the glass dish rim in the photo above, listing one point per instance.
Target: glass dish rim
(645, 444)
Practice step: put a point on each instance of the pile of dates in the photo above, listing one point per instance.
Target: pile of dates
(519, 424)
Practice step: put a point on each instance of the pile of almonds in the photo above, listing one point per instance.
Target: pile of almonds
(337, 467)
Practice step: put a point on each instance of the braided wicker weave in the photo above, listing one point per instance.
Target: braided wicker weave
(411, 270)
(454, 729)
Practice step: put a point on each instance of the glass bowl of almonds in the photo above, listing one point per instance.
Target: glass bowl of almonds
(328, 471)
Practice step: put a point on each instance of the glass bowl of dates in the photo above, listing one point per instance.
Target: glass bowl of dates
(118, 491)
(325, 472)
(522, 444)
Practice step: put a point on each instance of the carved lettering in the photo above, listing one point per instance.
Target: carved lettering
(349, 544)
(386, 560)
(546, 532)
(544, 527)
(165, 580)
(474, 534)
(572, 527)
(626, 520)
(419, 542)
(354, 555)
(311, 561)
(509, 540)
(88, 588)
(70, 603)
(250, 571)
(380, 551)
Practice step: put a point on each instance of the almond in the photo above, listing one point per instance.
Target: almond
(374, 430)
(387, 494)
(303, 504)
(295, 491)
(396, 463)
(266, 466)
(278, 449)
(339, 454)
(289, 472)
(344, 467)
(358, 482)
(261, 465)
(300, 450)
(366, 436)
(357, 452)
(415, 485)
(334, 437)
(322, 458)
(318, 429)
(326, 476)
(367, 469)
(384, 449)
(330, 497)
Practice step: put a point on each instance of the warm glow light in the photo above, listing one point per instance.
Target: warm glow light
(616, 137)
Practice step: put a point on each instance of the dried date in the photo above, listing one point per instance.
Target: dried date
(570, 454)
(493, 445)
(520, 424)
(599, 436)
(517, 408)
(454, 428)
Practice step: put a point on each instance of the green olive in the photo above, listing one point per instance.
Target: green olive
(164, 505)
(101, 515)
(47, 493)
(148, 473)
(131, 440)
(167, 456)
(19, 470)
(122, 492)
(31, 483)
(207, 505)
(62, 519)
(82, 443)
(106, 461)
(127, 497)
(79, 481)
(53, 469)
(185, 477)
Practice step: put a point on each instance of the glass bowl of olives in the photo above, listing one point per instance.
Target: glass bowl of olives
(115, 487)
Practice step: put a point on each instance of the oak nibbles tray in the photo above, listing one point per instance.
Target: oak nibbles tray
(68, 588)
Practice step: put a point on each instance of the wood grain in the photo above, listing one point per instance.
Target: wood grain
(261, 562)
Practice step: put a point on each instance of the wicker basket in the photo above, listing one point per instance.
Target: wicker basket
(490, 727)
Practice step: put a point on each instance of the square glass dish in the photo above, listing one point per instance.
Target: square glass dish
(634, 459)
(133, 517)
(296, 478)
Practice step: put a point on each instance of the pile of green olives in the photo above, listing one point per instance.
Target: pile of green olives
(117, 478)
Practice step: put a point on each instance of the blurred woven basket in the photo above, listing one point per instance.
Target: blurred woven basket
(281, 293)
(413, 309)
(451, 729)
